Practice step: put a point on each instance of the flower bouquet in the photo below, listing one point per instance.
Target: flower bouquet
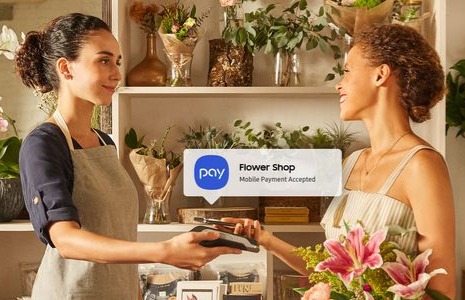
(158, 170)
(180, 31)
(355, 15)
(360, 266)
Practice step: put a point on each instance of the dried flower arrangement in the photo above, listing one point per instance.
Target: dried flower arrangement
(145, 15)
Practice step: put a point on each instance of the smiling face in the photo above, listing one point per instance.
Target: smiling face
(95, 73)
(357, 88)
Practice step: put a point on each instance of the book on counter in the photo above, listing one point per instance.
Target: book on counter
(245, 288)
(242, 297)
(277, 210)
(284, 219)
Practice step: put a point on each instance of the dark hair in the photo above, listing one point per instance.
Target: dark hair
(62, 37)
(415, 64)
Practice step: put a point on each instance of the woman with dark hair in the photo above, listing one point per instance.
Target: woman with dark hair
(392, 75)
(81, 201)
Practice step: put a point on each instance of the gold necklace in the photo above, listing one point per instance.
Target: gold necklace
(367, 172)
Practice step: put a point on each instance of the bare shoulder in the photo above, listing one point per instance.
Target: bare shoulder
(427, 160)
(427, 176)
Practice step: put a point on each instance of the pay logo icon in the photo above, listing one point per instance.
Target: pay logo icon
(211, 172)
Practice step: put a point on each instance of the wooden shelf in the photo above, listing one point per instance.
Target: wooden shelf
(25, 225)
(193, 92)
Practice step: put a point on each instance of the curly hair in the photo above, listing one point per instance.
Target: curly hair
(62, 37)
(415, 64)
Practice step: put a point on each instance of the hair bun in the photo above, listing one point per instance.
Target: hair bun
(420, 113)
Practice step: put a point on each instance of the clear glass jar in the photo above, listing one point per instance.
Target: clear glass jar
(411, 10)
(158, 210)
(179, 69)
(287, 69)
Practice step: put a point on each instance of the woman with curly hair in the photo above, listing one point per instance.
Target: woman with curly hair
(392, 75)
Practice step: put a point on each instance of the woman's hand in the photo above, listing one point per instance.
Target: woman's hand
(249, 228)
(184, 250)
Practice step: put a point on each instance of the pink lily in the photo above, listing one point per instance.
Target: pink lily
(350, 258)
(410, 277)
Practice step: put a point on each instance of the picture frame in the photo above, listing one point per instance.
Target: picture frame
(201, 290)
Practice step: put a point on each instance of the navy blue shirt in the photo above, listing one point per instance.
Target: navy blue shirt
(47, 177)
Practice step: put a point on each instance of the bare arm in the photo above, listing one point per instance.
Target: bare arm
(182, 251)
(430, 195)
(278, 247)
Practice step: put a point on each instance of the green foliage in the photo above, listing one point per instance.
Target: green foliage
(9, 157)
(295, 26)
(179, 20)
(334, 136)
(340, 137)
(155, 149)
(455, 98)
(208, 138)
(366, 3)
(273, 137)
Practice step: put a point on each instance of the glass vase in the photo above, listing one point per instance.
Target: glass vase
(287, 69)
(232, 18)
(150, 71)
(158, 210)
(179, 72)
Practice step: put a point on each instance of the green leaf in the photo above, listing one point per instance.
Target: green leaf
(303, 4)
(301, 291)
(132, 141)
(337, 296)
(435, 295)
(9, 157)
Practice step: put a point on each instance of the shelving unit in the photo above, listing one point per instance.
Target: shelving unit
(150, 110)
(149, 232)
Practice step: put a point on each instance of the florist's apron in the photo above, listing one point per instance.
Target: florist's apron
(106, 200)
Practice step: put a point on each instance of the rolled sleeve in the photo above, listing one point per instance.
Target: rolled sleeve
(47, 179)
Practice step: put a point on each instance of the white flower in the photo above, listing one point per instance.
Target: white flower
(9, 42)
(225, 3)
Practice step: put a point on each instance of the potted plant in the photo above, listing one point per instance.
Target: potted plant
(158, 170)
(209, 137)
(11, 198)
(230, 64)
(283, 34)
(275, 137)
(455, 98)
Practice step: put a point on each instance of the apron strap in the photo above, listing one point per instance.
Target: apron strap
(64, 128)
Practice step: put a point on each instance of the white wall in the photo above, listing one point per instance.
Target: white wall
(18, 101)
(455, 148)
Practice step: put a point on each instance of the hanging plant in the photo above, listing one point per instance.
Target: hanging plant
(455, 98)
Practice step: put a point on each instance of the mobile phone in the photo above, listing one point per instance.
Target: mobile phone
(214, 222)
(228, 240)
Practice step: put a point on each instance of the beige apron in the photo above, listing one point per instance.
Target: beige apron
(106, 200)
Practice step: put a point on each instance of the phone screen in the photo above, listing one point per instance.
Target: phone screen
(214, 222)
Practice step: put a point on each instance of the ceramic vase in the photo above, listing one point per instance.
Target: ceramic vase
(150, 71)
